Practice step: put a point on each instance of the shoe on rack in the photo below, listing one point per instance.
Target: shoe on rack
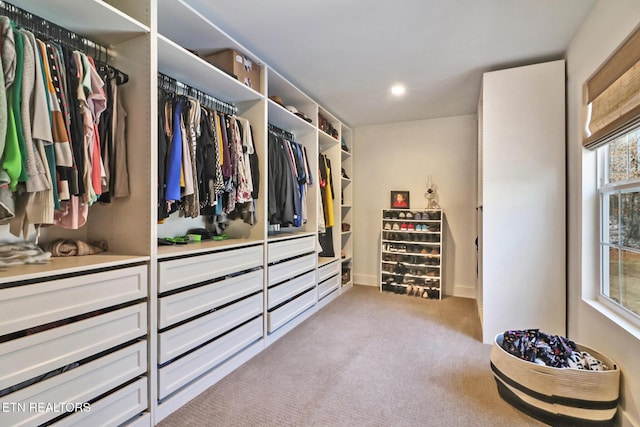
(403, 227)
(411, 227)
(401, 215)
(387, 226)
(396, 226)
(417, 216)
(409, 215)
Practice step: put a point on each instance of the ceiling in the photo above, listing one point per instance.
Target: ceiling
(346, 54)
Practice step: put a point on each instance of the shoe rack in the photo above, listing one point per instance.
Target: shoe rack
(411, 256)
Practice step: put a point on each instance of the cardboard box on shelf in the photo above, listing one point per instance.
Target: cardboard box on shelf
(239, 65)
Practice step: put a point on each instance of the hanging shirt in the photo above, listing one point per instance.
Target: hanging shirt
(175, 157)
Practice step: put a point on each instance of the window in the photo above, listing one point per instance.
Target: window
(619, 190)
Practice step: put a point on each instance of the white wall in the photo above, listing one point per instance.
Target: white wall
(610, 22)
(401, 156)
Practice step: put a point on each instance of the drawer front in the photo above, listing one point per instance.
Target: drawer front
(328, 270)
(182, 272)
(77, 385)
(112, 410)
(176, 341)
(282, 315)
(286, 290)
(33, 355)
(23, 307)
(328, 286)
(181, 306)
(289, 248)
(285, 270)
(180, 372)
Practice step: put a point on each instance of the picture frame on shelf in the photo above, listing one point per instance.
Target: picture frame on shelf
(399, 200)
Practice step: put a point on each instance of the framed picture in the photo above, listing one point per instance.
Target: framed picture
(399, 200)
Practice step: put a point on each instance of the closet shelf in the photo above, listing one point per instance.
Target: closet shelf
(325, 141)
(322, 261)
(289, 235)
(165, 252)
(99, 22)
(185, 25)
(177, 62)
(67, 265)
(345, 154)
(284, 119)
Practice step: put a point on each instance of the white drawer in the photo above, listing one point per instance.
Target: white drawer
(282, 315)
(176, 341)
(23, 307)
(295, 267)
(81, 384)
(33, 355)
(182, 272)
(112, 410)
(286, 290)
(328, 270)
(177, 374)
(289, 248)
(328, 286)
(183, 305)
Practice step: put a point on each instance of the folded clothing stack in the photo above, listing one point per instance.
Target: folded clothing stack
(75, 247)
(22, 253)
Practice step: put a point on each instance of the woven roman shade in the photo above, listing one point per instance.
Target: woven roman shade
(614, 95)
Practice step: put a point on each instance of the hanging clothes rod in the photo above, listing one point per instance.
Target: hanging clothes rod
(281, 133)
(172, 85)
(47, 30)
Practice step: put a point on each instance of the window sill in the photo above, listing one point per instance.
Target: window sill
(615, 316)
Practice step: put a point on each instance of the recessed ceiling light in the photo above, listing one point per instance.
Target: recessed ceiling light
(398, 89)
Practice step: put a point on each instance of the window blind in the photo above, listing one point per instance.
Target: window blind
(613, 95)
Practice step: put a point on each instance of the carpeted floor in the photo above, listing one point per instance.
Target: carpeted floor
(367, 359)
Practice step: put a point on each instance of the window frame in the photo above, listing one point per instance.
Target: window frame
(604, 188)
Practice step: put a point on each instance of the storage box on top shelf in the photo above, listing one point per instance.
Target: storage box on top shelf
(239, 65)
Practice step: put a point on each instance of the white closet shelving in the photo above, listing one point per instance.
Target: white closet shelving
(76, 329)
(180, 317)
(509, 270)
(346, 197)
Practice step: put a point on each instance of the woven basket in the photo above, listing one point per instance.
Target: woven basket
(557, 396)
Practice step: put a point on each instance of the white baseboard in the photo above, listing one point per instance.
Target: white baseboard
(625, 420)
(464, 291)
(366, 279)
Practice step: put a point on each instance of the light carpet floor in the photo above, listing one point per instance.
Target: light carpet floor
(366, 359)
